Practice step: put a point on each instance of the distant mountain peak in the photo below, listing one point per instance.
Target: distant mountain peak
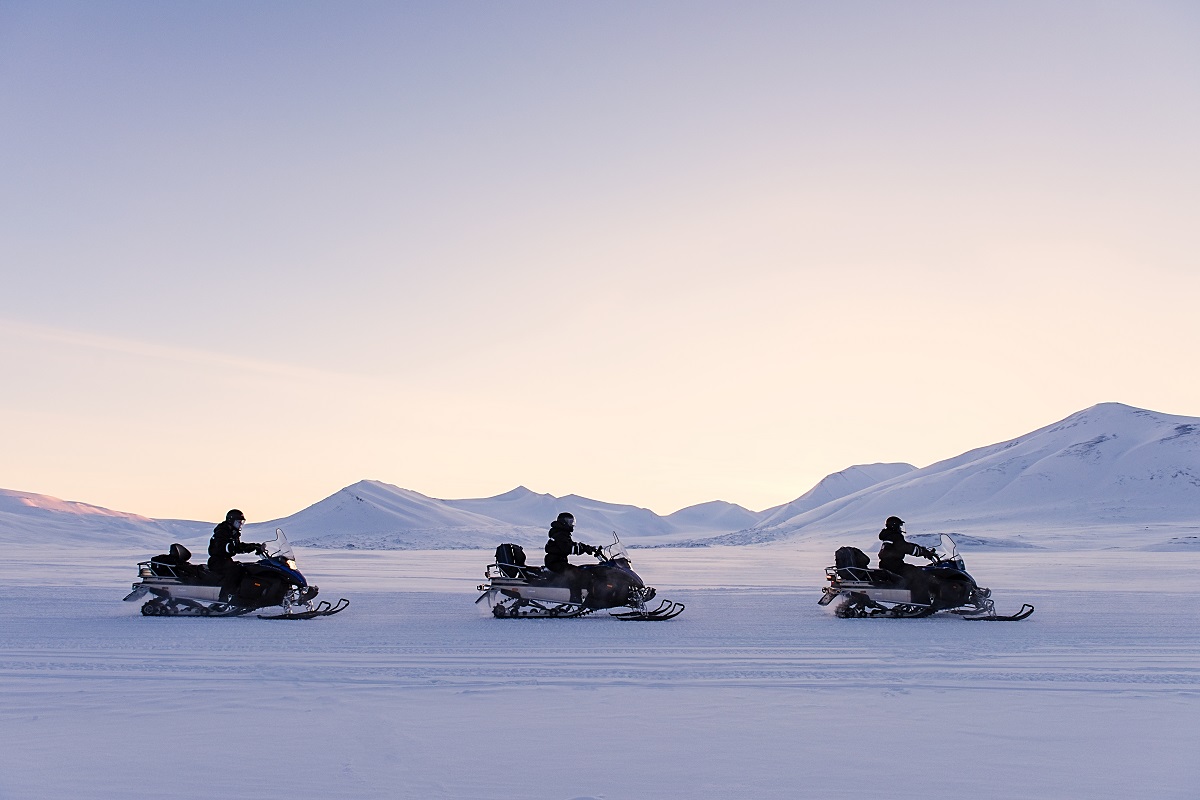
(1112, 405)
(714, 504)
(1112, 410)
(519, 493)
(835, 486)
(367, 483)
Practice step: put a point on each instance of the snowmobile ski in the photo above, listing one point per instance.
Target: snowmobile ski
(1025, 611)
(666, 610)
(321, 609)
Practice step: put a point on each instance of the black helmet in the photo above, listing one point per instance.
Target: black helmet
(893, 522)
(234, 514)
(566, 518)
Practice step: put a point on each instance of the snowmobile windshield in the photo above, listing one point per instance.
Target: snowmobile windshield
(279, 547)
(948, 550)
(614, 551)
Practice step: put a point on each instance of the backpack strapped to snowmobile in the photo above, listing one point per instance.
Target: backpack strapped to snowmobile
(510, 558)
(176, 564)
(852, 563)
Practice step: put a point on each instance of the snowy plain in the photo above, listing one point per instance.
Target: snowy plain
(755, 691)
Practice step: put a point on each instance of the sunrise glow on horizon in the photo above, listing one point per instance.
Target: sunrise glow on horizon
(650, 254)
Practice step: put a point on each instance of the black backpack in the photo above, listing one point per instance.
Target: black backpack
(511, 559)
(850, 557)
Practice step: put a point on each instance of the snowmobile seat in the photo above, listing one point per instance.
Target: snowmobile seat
(200, 575)
(882, 577)
(540, 575)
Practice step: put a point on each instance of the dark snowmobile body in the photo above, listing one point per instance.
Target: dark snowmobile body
(179, 588)
(516, 591)
(865, 592)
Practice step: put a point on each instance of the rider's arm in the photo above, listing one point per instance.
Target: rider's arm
(246, 547)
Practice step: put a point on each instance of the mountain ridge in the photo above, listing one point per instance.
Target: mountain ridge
(1107, 467)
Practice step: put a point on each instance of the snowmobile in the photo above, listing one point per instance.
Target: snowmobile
(866, 592)
(182, 589)
(517, 591)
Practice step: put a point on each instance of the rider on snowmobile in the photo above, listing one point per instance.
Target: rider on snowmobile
(891, 558)
(559, 546)
(227, 542)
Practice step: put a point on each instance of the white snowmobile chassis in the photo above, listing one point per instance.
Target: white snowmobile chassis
(174, 598)
(518, 598)
(863, 598)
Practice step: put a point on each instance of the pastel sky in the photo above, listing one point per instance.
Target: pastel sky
(649, 252)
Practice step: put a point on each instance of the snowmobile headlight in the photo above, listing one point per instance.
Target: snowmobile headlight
(291, 563)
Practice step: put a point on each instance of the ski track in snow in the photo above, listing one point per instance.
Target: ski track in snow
(754, 691)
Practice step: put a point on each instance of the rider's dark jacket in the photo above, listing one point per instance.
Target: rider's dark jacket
(226, 543)
(560, 545)
(893, 550)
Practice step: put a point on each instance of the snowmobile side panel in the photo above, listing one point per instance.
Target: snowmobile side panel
(204, 594)
(888, 595)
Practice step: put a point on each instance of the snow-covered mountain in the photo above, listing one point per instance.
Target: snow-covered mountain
(1110, 467)
(522, 507)
(714, 516)
(26, 517)
(377, 515)
(833, 487)
(1110, 474)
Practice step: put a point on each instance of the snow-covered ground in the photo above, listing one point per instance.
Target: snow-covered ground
(755, 691)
